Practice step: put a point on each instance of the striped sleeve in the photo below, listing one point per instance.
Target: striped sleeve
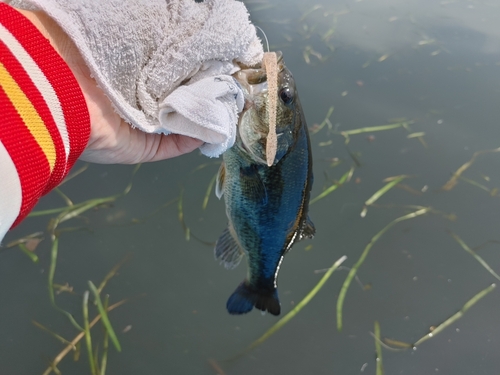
(45, 122)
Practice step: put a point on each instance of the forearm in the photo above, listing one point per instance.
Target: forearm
(45, 125)
(163, 67)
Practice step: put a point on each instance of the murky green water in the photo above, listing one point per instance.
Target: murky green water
(436, 64)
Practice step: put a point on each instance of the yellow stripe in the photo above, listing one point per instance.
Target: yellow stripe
(29, 115)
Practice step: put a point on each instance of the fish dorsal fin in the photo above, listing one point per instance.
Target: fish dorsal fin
(308, 230)
(252, 184)
(219, 181)
(227, 250)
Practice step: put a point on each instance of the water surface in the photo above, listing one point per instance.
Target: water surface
(434, 64)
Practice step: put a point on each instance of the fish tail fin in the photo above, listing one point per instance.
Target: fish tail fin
(245, 298)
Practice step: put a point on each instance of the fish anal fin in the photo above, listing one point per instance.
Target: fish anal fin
(245, 298)
(227, 250)
(219, 181)
(308, 230)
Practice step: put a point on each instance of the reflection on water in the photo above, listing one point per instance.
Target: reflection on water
(433, 65)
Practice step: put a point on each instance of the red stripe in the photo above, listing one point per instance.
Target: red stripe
(22, 78)
(58, 74)
(28, 157)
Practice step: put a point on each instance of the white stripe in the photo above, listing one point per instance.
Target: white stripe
(41, 82)
(10, 192)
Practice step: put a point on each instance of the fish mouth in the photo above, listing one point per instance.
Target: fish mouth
(253, 81)
(256, 75)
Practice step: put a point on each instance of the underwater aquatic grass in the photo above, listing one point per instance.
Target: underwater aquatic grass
(322, 25)
(216, 367)
(74, 174)
(324, 144)
(52, 271)
(383, 57)
(309, 51)
(88, 338)
(53, 334)
(409, 189)
(105, 343)
(431, 210)
(354, 156)
(47, 212)
(370, 129)
(474, 254)
(309, 11)
(72, 210)
(484, 244)
(26, 239)
(65, 198)
(354, 269)
(79, 337)
(419, 136)
(277, 326)
(345, 178)
(104, 317)
(324, 122)
(329, 34)
(474, 183)
(392, 181)
(67, 213)
(112, 272)
(180, 216)
(378, 349)
(396, 345)
(205, 165)
(77, 352)
(209, 192)
(452, 182)
(415, 135)
(76, 210)
(30, 254)
(457, 315)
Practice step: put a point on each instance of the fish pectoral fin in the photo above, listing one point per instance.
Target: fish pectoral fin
(219, 181)
(227, 250)
(308, 229)
(252, 184)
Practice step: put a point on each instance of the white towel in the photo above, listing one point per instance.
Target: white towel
(164, 64)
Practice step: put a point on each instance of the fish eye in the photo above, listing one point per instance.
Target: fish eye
(287, 95)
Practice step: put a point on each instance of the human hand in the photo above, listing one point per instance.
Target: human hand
(166, 66)
(112, 140)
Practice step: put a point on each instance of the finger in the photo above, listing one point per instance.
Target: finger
(173, 145)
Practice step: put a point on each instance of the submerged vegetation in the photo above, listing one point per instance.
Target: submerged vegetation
(97, 350)
(380, 210)
(299, 306)
(412, 211)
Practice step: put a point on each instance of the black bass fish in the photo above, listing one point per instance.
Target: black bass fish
(267, 207)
